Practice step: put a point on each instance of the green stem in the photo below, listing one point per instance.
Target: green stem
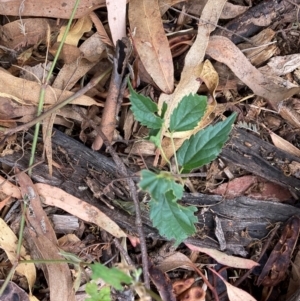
(174, 151)
(43, 88)
(22, 224)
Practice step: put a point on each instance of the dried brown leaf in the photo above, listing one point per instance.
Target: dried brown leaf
(28, 32)
(54, 196)
(27, 92)
(151, 42)
(284, 145)
(43, 243)
(274, 89)
(44, 8)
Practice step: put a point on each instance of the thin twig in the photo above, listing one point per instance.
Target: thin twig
(123, 251)
(132, 188)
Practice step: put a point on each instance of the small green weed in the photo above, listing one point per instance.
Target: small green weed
(170, 218)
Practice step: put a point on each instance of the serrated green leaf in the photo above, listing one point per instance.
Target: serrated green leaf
(112, 276)
(158, 184)
(97, 295)
(171, 219)
(144, 109)
(163, 110)
(188, 113)
(204, 146)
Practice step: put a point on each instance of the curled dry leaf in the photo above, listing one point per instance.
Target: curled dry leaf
(179, 286)
(75, 33)
(196, 293)
(175, 261)
(232, 261)
(151, 42)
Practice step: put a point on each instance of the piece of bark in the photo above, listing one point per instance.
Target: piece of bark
(255, 19)
(242, 219)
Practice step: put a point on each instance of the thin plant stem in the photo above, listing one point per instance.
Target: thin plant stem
(43, 88)
(174, 151)
(22, 224)
(59, 105)
(8, 277)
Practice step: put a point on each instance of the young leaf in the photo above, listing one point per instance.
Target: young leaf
(204, 146)
(188, 113)
(171, 219)
(97, 295)
(155, 137)
(112, 276)
(158, 184)
(144, 109)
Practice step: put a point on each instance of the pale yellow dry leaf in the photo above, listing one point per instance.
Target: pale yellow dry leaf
(33, 298)
(8, 243)
(237, 294)
(189, 80)
(81, 26)
(116, 10)
(223, 258)
(27, 92)
(284, 145)
(54, 196)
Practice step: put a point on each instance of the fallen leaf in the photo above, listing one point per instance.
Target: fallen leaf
(82, 25)
(116, 10)
(190, 79)
(43, 243)
(44, 8)
(25, 33)
(274, 89)
(232, 261)
(284, 145)
(151, 43)
(54, 196)
(175, 261)
(193, 294)
(234, 293)
(27, 92)
(231, 11)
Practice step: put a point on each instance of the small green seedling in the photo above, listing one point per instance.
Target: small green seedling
(170, 218)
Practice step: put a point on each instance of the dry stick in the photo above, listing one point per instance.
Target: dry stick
(123, 251)
(56, 107)
(133, 192)
(111, 107)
